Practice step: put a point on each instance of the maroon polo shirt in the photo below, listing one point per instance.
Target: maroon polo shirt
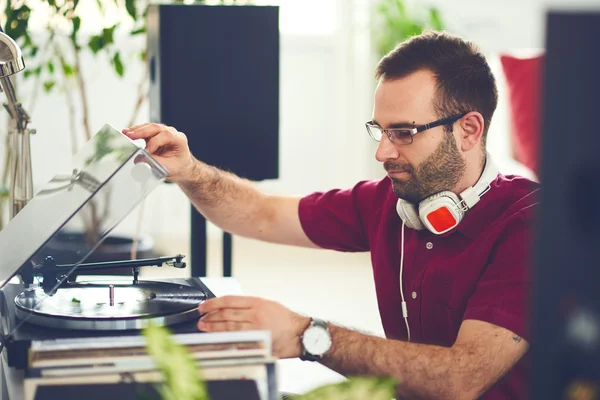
(480, 270)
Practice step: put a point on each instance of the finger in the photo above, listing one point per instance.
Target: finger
(228, 314)
(162, 139)
(224, 326)
(146, 131)
(217, 303)
(134, 127)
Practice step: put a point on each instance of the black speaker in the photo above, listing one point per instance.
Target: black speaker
(214, 75)
(566, 298)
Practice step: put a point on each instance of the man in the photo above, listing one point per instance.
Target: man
(448, 235)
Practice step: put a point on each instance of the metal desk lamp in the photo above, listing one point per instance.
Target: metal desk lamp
(21, 180)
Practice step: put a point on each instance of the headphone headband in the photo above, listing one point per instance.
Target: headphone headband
(473, 194)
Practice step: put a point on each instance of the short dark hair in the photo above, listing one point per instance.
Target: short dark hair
(464, 79)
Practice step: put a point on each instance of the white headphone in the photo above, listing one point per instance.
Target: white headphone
(443, 211)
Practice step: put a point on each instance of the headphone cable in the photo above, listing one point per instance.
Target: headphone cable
(404, 308)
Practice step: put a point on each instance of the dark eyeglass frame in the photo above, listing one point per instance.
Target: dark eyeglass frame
(395, 134)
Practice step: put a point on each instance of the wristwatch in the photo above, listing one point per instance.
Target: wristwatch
(316, 340)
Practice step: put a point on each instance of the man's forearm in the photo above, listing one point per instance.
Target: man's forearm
(228, 201)
(422, 371)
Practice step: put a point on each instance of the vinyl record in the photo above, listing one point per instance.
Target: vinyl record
(91, 306)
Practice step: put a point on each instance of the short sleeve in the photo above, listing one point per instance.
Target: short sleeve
(502, 295)
(338, 219)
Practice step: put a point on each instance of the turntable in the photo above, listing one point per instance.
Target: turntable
(45, 302)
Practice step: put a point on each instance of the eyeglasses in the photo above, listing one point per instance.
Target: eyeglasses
(405, 135)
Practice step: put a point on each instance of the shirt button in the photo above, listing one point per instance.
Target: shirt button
(429, 245)
(414, 295)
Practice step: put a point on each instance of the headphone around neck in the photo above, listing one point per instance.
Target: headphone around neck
(443, 211)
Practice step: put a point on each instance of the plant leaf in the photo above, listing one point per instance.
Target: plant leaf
(34, 50)
(118, 64)
(182, 379)
(393, 22)
(50, 67)
(48, 85)
(67, 68)
(96, 43)
(108, 35)
(131, 9)
(76, 25)
(435, 19)
(354, 389)
(32, 71)
(138, 31)
(17, 21)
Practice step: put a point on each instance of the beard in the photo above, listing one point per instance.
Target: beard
(441, 171)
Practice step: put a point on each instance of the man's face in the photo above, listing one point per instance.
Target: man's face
(432, 162)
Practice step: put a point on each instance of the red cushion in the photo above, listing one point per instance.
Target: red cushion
(523, 78)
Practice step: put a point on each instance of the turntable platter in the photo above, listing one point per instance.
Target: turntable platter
(110, 306)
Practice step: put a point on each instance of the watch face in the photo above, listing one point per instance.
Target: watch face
(316, 340)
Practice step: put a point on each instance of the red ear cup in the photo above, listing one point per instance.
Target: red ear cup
(442, 219)
(441, 212)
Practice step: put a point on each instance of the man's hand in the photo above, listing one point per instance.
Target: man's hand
(236, 313)
(168, 146)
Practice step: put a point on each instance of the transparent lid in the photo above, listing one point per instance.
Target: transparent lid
(106, 180)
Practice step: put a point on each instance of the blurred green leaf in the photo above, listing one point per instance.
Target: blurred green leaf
(435, 19)
(109, 33)
(67, 68)
(34, 50)
(118, 64)
(138, 31)
(394, 22)
(17, 20)
(101, 41)
(131, 9)
(48, 85)
(50, 67)
(182, 379)
(76, 25)
(33, 71)
(354, 389)
(96, 43)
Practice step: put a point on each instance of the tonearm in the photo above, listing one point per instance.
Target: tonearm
(51, 273)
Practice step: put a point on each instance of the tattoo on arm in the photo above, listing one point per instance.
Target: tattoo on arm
(517, 339)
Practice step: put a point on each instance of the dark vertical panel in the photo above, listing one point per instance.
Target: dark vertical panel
(215, 77)
(566, 329)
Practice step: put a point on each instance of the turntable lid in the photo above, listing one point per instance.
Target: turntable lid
(102, 184)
